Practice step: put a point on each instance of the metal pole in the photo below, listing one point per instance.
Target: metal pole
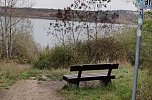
(138, 46)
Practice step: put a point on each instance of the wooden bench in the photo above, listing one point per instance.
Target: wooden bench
(76, 78)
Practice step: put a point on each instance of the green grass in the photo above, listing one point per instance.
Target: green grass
(120, 89)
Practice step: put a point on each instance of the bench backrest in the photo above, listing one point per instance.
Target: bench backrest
(86, 67)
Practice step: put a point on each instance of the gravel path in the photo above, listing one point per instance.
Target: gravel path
(33, 90)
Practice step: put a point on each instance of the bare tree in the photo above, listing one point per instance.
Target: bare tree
(9, 25)
(66, 28)
(92, 10)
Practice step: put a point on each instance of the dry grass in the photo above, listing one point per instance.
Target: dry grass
(13, 66)
(10, 72)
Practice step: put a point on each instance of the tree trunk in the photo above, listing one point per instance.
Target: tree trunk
(6, 33)
(2, 40)
(10, 34)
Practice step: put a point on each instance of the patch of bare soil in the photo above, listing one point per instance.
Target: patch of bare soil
(33, 90)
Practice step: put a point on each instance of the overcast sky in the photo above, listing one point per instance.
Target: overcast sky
(115, 4)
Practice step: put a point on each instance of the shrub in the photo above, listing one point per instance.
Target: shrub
(61, 57)
(57, 57)
(24, 48)
(128, 39)
(42, 62)
(104, 49)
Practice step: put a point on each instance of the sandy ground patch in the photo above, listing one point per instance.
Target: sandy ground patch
(33, 90)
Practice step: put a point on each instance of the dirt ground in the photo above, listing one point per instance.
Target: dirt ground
(33, 90)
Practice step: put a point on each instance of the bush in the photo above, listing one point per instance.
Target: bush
(104, 49)
(61, 57)
(42, 62)
(24, 48)
(57, 57)
(128, 39)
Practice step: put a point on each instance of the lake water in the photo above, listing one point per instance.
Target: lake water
(40, 27)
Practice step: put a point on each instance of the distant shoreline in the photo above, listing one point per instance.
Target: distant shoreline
(125, 16)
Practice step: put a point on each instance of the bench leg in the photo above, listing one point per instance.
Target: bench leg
(106, 82)
(78, 83)
(71, 84)
(74, 83)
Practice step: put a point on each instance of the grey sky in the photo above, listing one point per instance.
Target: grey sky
(115, 4)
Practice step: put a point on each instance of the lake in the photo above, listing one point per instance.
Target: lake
(41, 26)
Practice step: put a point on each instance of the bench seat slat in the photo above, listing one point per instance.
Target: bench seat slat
(93, 67)
(87, 77)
